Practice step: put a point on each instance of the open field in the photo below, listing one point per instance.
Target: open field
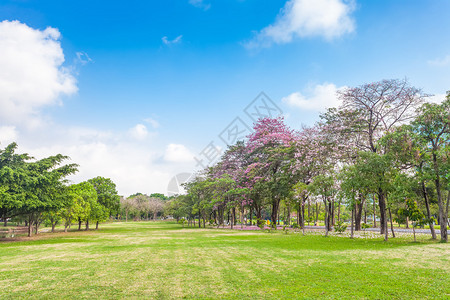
(163, 260)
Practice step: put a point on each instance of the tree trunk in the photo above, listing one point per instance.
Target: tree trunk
(442, 211)
(326, 219)
(53, 226)
(232, 218)
(30, 225)
(383, 219)
(87, 225)
(303, 219)
(332, 213)
(5, 220)
(65, 227)
(351, 227)
(96, 225)
(278, 214)
(242, 216)
(374, 215)
(275, 206)
(392, 225)
(79, 224)
(288, 217)
(317, 213)
(358, 213)
(339, 211)
(309, 210)
(365, 212)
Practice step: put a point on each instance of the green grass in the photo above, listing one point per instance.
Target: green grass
(164, 261)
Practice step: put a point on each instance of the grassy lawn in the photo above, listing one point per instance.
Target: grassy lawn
(164, 261)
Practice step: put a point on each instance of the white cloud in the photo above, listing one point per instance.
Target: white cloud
(139, 132)
(200, 4)
(32, 77)
(83, 58)
(438, 98)
(440, 62)
(176, 40)
(307, 18)
(8, 134)
(31, 73)
(319, 98)
(178, 153)
(135, 166)
(152, 122)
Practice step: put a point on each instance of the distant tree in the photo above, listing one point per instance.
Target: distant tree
(107, 197)
(159, 196)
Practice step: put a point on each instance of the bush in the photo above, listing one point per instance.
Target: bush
(365, 226)
(273, 226)
(182, 222)
(340, 227)
(260, 223)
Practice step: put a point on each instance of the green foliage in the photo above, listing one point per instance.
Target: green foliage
(261, 223)
(364, 226)
(340, 227)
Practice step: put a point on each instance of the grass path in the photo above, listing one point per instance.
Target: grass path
(165, 261)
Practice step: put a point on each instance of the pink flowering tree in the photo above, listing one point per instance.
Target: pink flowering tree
(271, 152)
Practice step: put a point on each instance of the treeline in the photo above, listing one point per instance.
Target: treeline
(384, 151)
(36, 191)
(143, 207)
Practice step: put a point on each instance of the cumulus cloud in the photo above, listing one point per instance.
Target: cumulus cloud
(440, 62)
(139, 132)
(305, 18)
(318, 98)
(176, 40)
(200, 4)
(178, 153)
(32, 74)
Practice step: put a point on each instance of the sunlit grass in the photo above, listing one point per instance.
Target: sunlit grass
(164, 260)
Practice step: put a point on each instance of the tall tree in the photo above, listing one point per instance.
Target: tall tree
(432, 124)
(380, 107)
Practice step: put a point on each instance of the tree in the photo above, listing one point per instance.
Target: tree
(107, 197)
(85, 200)
(271, 147)
(13, 176)
(414, 214)
(44, 187)
(380, 106)
(432, 124)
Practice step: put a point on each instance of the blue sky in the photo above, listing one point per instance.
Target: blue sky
(133, 90)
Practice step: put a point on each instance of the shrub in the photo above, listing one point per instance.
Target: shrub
(340, 227)
(260, 223)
